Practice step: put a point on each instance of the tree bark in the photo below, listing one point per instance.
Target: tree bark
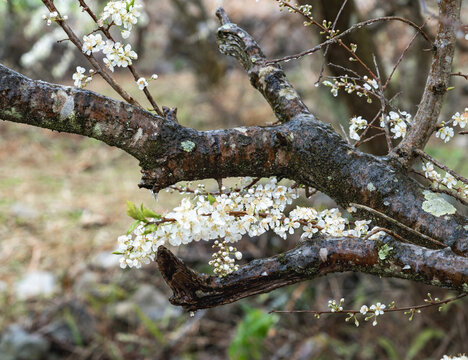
(429, 108)
(309, 260)
(300, 148)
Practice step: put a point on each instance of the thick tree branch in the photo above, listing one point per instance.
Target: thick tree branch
(77, 111)
(425, 120)
(302, 149)
(309, 260)
(270, 80)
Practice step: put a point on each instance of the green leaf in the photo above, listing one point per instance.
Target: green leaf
(149, 324)
(211, 199)
(251, 331)
(70, 320)
(421, 340)
(134, 212)
(117, 253)
(150, 213)
(389, 348)
(150, 228)
(133, 226)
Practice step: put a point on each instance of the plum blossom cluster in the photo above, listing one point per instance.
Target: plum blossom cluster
(222, 262)
(123, 14)
(351, 85)
(80, 80)
(335, 306)
(117, 54)
(228, 215)
(448, 180)
(369, 312)
(458, 357)
(53, 16)
(356, 123)
(397, 121)
(373, 311)
(445, 132)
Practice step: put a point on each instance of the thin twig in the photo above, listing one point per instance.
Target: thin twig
(336, 38)
(440, 165)
(399, 224)
(388, 231)
(97, 66)
(383, 104)
(339, 41)
(326, 49)
(368, 139)
(132, 69)
(406, 308)
(399, 60)
(460, 74)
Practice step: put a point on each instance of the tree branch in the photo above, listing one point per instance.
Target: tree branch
(77, 111)
(97, 66)
(303, 149)
(270, 80)
(425, 120)
(312, 259)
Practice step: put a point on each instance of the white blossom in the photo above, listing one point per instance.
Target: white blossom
(142, 83)
(398, 122)
(357, 123)
(449, 181)
(79, 76)
(92, 43)
(460, 119)
(378, 309)
(445, 133)
(460, 356)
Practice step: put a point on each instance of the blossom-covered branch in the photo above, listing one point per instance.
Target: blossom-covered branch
(299, 148)
(93, 61)
(302, 149)
(374, 311)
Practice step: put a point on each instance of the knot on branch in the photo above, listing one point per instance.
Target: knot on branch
(236, 42)
(170, 113)
(439, 88)
(269, 79)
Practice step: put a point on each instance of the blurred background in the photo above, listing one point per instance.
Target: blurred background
(62, 197)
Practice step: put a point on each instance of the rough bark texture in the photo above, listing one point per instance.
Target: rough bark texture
(300, 148)
(309, 260)
(437, 83)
